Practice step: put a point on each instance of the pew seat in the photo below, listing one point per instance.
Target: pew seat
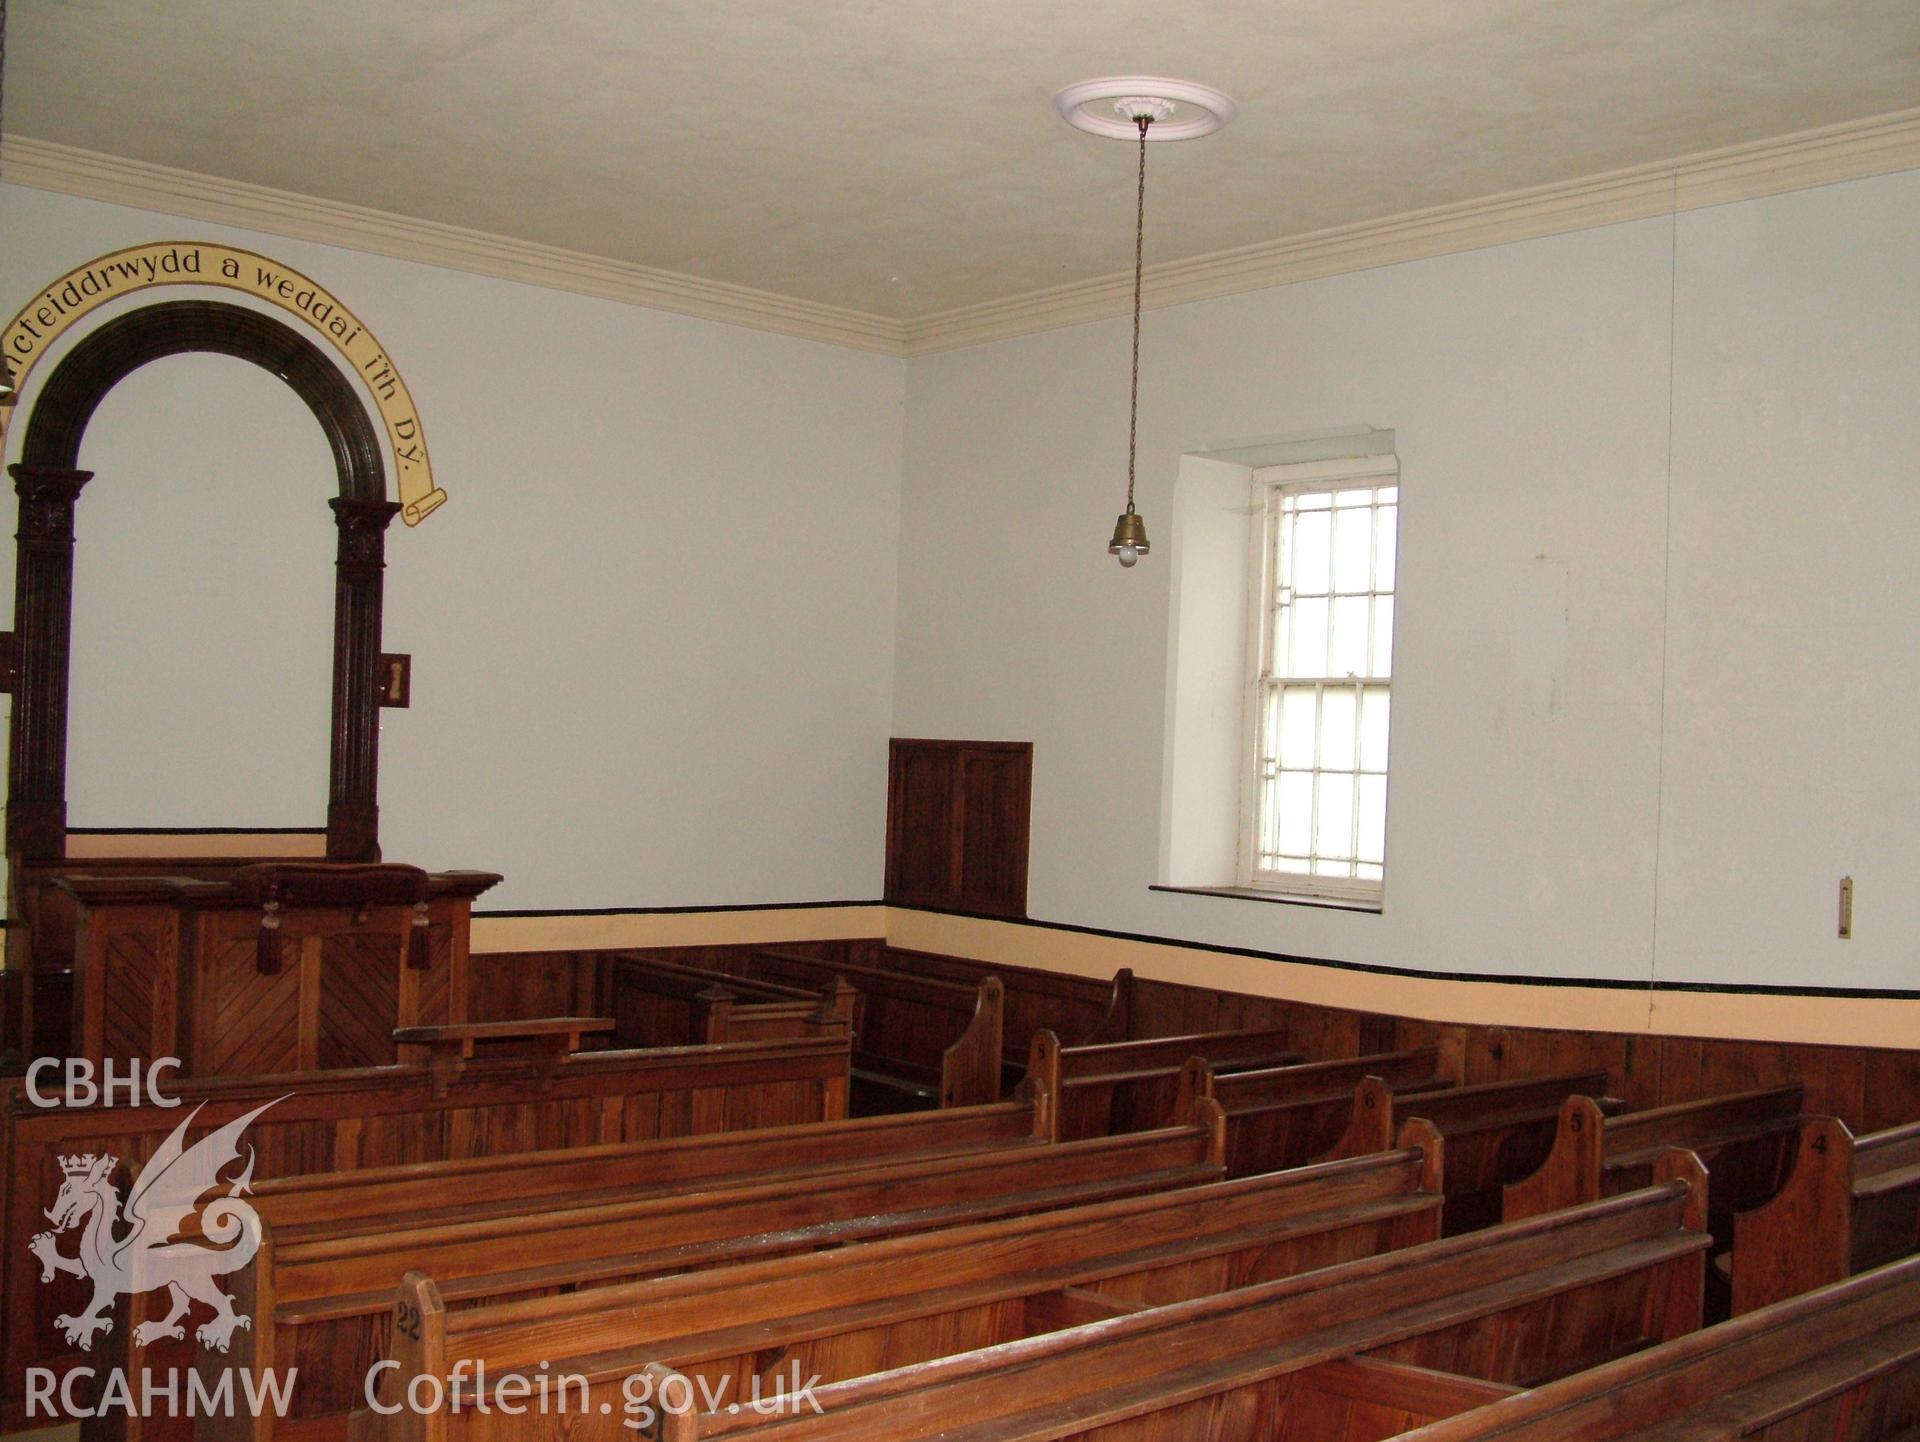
(656, 1002)
(1841, 1363)
(1848, 1204)
(844, 1313)
(1745, 1139)
(917, 1041)
(321, 1204)
(1495, 1132)
(1079, 1010)
(329, 1294)
(1288, 1116)
(349, 1118)
(1112, 1087)
(1508, 1307)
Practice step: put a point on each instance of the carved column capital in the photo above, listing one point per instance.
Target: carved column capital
(47, 496)
(363, 531)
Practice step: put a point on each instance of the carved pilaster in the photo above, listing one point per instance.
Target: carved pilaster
(43, 623)
(353, 812)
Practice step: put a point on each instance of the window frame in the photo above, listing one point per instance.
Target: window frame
(1267, 484)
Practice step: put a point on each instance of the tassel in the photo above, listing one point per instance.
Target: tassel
(267, 956)
(417, 955)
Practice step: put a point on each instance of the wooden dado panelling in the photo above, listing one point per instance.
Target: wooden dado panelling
(1868, 1088)
(508, 985)
(958, 815)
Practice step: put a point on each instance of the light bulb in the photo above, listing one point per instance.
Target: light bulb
(1128, 556)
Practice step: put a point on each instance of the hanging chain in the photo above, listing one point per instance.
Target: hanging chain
(1139, 253)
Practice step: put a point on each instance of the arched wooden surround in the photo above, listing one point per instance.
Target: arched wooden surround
(49, 484)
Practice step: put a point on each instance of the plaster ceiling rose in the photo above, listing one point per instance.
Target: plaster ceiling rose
(1179, 109)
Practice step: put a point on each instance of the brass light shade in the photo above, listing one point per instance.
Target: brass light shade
(1129, 541)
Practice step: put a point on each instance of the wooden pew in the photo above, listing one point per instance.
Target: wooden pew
(1496, 1132)
(1348, 1352)
(324, 1304)
(346, 1118)
(331, 1203)
(320, 1206)
(1113, 1087)
(1288, 1116)
(846, 1313)
(916, 1041)
(1745, 1140)
(1848, 1205)
(1595, 1156)
(1078, 1009)
(664, 1003)
(1842, 1362)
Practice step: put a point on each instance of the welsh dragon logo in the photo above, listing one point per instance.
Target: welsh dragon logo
(140, 1250)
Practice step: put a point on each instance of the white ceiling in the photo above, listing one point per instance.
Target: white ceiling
(902, 157)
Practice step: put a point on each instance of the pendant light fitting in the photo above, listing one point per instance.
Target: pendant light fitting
(1142, 108)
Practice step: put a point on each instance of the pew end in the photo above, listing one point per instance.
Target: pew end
(250, 1352)
(1680, 1306)
(1370, 1129)
(670, 1414)
(1033, 1092)
(970, 1068)
(1683, 1165)
(419, 1348)
(1803, 1237)
(837, 1001)
(1419, 1134)
(1561, 1180)
(1116, 1022)
(1196, 1080)
(712, 1015)
(1043, 1075)
(1210, 1117)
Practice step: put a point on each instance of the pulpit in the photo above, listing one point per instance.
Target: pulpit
(276, 966)
(248, 965)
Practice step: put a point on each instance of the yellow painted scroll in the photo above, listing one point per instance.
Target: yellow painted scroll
(54, 311)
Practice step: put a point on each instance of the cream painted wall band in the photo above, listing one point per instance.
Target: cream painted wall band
(1815, 1019)
(62, 305)
(1849, 151)
(604, 931)
(1812, 1018)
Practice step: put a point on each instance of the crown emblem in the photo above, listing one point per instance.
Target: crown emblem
(82, 1166)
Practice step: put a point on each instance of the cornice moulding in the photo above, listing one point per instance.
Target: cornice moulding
(1835, 153)
(1810, 158)
(45, 165)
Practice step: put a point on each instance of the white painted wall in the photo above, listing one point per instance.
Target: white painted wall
(1586, 735)
(1639, 729)
(1793, 689)
(652, 628)
(201, 686)
(1209, 562)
